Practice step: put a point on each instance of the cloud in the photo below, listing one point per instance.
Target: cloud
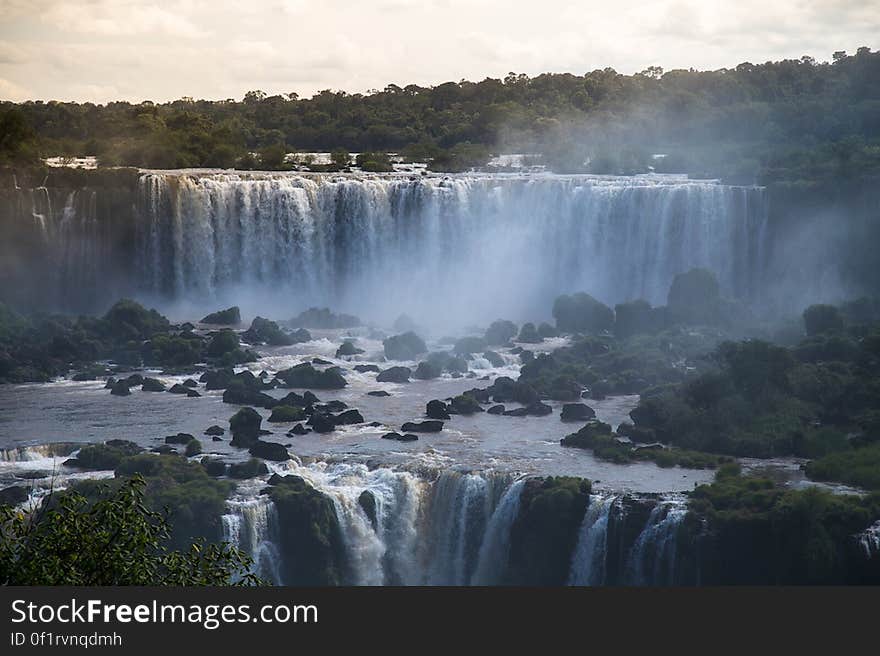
(120, 18)
(11, 91)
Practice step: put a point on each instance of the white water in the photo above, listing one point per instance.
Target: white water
(475, 247)
(588, 563)
(252, 525)
(652, 559)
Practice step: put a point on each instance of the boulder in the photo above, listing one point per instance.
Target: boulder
(153, 385)
(348, 349)
(189, 382)
(500, 332)
(408, 437)
(120, 388)
(298, 429)
(214, 466)
(378, 393)
(250, 469)
(427, 371)
(577, 412)
(436, 409)
(364, 368)
(305, 375)
(529, 334)
(264, 331)
(581, 313)
(286, 413)
(217, 379)
(592, 434)
(516, 412)
(496, 410)
(245, 427)
(323, 318)
(239, 394)
(13, 495)
(470, 345)
(322, 423)
(367, 502)
(394, 375)
(430, 426)
(407, 346)
(214, 430)
(465, 404)
(269, 451)
(494, 358)
(348, 417)
(545, 330)
(228, 317)
(177, 388)
(180, 438)
(539, 409)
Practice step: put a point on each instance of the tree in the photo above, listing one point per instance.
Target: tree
(112, 540)
(340, 158)
(820, 319)
(17, 139)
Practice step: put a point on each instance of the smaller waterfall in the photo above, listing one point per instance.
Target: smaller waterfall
(252, 525)
(588, 563)
(494, 552)
(652, 558)
(869, 540)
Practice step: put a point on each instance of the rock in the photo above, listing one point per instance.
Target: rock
(331, 406)
(577, 412)
(506, 389)
(526, 356)
(13, 495)
(110, 383)
(516, 412)
(249, 469)
(264, 331)
(323, 318)
(305, 375)
(180, 438)
(409, 437)
(269, 451)
(348, 417)
(245, 427)
(464, 404)
(135, 380)
(321, 361)
(445, 361)
(581, 313)
(286, 413)
(189, 382)
(179, 389)
(496, 410)
(529, 334)
(348, 349)
(214, 466)
(436, 409)
(322, 423)
(539, 409)
(298, 429)
(374, 424)
(545, 330)
(364, 368)
(367, 502)
(120, 388)
(378, 393)
(239, 394)
(153, 385)
(217, 379)
(694, 297)
(593, 433)
(394, 375)
(407, 346)
(193, 448)
(494, 358)
(430, 426)
(500, 332)
(427, 371)
(469, 345)
(309, 398)
(215, 430)
(164, 450)
(294, 400)
(191, 393)
(228, 317)
(637, 434)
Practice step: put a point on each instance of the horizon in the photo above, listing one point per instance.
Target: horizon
(137, 51)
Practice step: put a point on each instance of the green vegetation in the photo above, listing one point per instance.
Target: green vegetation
(788, 120)
(111, 538)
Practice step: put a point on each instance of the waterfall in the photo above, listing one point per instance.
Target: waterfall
(869, 540)
(380, 243)
(588, 563)
(652, 558)
(494, 551)
(252, 525)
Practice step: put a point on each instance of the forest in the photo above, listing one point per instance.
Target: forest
(791, 120)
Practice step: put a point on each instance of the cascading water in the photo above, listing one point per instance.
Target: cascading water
(652, 559)
(588, 563)
(367, 243)
(252, 525)
(495, 549)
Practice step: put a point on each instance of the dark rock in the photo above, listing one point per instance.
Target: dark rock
(407, 346)
(309, 398)
(445, 361)
(464, 404)
(374, 424)
(378, 393)
(496, 410)
(189, 382)
(249, 469)
(430, 426)
(506, 389)
(180, 438)
(305, 375)
(286, 413)
(545, 330)
(394, 375)
(494, 358)
(587, 437)
(14, 495)
(529, 334)
(179, 389)
(269, 451)
(214, 466)
(582, 313)
(135, 380)
(469, 345)
(539, 409)
(264, 331)
(191, 393)
(153, 385)
(320, 361)
(245, 427)
(300, 336)
(526, 356)
(408, 437)
(348, 417)
(577, 412)
(110, 383)
(436, 409)
(364, 368)
(298, 429)
(120, 388)
(216, 438)
(239, 394)
(427, 371)
(322, 423)
(325, 319)
(367, 502)
(500, 333)
(331, 406)
(217, 379)
(516, 412)
(348, 349)
(229, 317)
(164, 450)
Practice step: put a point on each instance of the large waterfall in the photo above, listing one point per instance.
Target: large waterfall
(434, 246)
(454, 528)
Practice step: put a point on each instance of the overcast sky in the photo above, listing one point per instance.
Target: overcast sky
(101, 50)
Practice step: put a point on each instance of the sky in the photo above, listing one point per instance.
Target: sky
(134, 50)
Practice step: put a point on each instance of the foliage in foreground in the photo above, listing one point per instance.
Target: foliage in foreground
(114, 540)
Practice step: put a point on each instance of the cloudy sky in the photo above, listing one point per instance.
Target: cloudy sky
(100, 50)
